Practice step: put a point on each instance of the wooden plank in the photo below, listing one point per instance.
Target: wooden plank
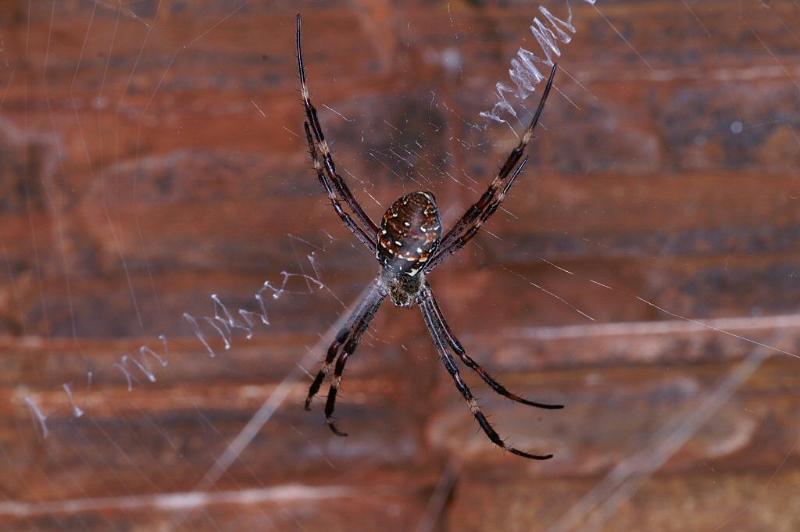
(166, 438)
(703, 502)
(521, 295)
(658, 38)
(595, 291)
(612, 414)
(157, 434)
(175, 167)
(183, 52)
(662, 342)
(333, 507)
(93, 367)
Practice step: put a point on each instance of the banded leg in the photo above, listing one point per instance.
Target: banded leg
(452, 369)
(332, 179)
(348, 350)
(478, 213)
(372, 298)
(458, 242)
(356, 229)
(440, 321)
(333, 349)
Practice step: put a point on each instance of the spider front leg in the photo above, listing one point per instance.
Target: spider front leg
(480, 215)
(331, 180)
(428, 315)
(356, 229)
(469, 224)
(455, 345)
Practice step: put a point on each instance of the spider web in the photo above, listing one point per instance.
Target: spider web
(217, 305)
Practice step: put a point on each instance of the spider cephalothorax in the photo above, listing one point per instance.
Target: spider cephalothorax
(404, 288)
(408, 245)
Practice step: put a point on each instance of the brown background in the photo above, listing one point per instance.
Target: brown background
(150, 155)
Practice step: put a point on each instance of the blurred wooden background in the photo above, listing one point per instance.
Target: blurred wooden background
(151, 155)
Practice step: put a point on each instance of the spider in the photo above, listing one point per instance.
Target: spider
(409, 245)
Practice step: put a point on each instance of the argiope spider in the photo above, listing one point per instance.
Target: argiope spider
(409, 245)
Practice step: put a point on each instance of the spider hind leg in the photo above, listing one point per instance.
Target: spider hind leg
(437, 334)
(492, 434)
(470, 362)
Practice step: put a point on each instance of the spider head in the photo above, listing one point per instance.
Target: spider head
(410, 231)
(404, 289)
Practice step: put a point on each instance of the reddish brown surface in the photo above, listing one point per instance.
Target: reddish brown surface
(151, 154)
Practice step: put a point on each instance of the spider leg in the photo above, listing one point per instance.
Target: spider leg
(333, 349)
(372, 297)
(479, 212)
(346, 341)
(349, 348)
(459, 241)
(452, 369)
(330, 178)
(330, 403)
(356, 229)
(444, 327)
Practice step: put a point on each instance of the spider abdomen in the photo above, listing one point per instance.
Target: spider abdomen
(410, 231)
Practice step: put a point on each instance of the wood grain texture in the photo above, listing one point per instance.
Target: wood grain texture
(151, 155)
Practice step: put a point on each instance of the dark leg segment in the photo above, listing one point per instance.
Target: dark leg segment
(359, 233)
(349, 348)
(458, 242)
(479, 212)
(428, 315)
(332, 181)
(469, 361)
(333, 349)
(372, 298)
